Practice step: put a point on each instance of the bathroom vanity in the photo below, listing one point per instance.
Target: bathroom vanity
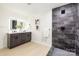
(16, 39)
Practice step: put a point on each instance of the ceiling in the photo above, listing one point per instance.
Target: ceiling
(33, 7)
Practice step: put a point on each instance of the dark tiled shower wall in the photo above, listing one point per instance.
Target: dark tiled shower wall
(65, 27)
(77, 31)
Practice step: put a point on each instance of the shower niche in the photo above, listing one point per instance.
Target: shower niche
(65, 27)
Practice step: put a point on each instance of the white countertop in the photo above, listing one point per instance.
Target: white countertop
(10, 32)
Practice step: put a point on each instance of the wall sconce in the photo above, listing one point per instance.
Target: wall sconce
(37, 23)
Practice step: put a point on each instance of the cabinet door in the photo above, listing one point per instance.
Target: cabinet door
(28, 36)
(23, 37)
(14, 40)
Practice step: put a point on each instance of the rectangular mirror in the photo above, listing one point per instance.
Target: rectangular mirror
(14, 23)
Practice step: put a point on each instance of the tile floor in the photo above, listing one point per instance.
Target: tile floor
(60, 52)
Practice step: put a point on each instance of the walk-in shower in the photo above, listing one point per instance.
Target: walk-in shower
(65, 28)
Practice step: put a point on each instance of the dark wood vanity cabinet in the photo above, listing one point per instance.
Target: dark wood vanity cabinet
(17, 39)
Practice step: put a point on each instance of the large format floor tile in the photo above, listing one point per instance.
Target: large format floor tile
(60, 52)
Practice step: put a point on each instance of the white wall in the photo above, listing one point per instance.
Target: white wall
(3, 27)
(44, 34)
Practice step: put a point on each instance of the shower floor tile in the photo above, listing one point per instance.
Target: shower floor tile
(60, 52)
